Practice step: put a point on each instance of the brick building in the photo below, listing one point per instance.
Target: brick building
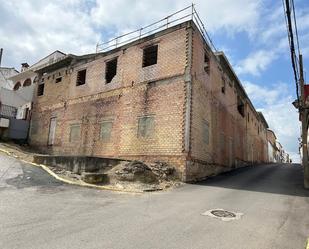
(165, 97)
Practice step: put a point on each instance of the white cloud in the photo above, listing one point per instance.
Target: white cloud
(31, 29)
(256, 62)
(265, 95)
(276, 104)
(223, 15)
(270, 42)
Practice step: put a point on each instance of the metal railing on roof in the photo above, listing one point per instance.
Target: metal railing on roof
(185, 14)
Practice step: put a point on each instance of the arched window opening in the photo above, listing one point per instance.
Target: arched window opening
(17, 86)
(27, 82)
(35, 79)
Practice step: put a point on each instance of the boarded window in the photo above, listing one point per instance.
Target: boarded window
(40, 89)
(205, 132)
(81, 77)
(150, 56)
(74, 133)
(240, 107)
(59, 79)
(206, 63)
(146, 127)
(111, 70)
(52, 131)
(106, 129)
(222, 142)
(34, 127)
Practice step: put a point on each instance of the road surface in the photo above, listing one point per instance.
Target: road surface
(38, 212)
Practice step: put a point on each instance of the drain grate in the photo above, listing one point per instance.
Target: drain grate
(223, 214)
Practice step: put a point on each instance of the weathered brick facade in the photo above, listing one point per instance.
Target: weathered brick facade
(173, 111)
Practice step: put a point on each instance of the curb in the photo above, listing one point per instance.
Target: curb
(82, 184)
(307, 247)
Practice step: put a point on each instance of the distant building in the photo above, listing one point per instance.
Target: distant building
(272, 148)
(16, 96)
(5, 74)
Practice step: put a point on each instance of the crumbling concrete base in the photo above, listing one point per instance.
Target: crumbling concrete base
(95, 178)
(199, 170)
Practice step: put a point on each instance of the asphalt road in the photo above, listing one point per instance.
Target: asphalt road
(37, 211)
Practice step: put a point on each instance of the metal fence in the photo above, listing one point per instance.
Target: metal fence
(186, 14)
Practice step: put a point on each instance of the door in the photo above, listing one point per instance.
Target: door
(52, 131)
(231, 152)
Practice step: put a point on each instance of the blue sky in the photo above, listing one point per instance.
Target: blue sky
(252, 33)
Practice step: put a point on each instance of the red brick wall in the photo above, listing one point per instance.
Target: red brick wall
(220, 110)
(161, 91)
(135, 91)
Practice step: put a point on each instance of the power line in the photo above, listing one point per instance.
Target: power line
(295, 25)
(294, 59)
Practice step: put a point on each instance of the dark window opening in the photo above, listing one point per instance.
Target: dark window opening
(40, 89)
(206, 63)
(81, 77)
(59, 79)
(223, 89)
(27, 82)
(111, 70)
(240, 107)
(223, 86)
(17, 86)
(150, 56)
(248, 118)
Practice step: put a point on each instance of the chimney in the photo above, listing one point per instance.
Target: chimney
(1, 52)
(24, 66)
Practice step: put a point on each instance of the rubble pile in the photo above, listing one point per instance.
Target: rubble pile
(162, 170)
(133, 171)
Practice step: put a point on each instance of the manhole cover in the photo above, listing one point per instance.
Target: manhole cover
(223, 214)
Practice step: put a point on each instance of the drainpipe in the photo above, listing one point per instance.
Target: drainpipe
(188, 89)
(1, 52)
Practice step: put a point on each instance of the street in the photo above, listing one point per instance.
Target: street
(38, 212)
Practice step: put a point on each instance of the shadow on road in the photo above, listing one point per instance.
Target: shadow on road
(33, 177)
(273, 178)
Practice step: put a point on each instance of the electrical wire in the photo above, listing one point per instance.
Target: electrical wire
(294, 60)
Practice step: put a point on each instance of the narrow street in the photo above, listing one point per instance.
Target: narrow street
(38, 212)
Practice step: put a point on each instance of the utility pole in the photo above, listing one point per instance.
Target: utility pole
(304, 122)
(1, 51)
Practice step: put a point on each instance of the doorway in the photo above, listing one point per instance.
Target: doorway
(52, 131)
